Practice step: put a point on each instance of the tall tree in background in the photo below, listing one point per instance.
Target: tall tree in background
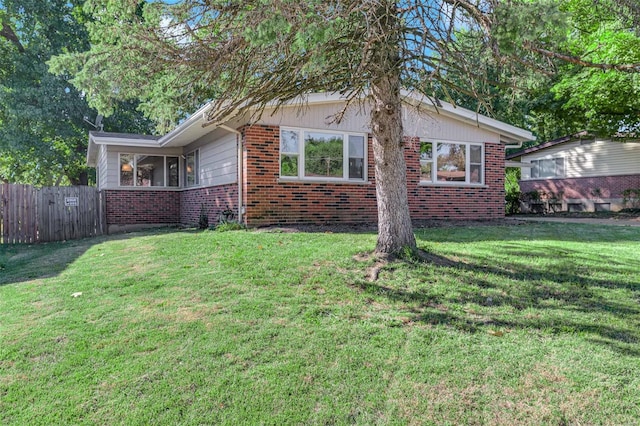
(577, 68)
(244, 54)
(43, 135)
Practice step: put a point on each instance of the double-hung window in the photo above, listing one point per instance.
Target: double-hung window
(324, 155)
(452, 163)
(547, 168)
(148, 170)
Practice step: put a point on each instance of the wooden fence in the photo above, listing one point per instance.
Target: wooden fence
(32, 215)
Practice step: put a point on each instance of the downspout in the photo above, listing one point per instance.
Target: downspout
(240, 169)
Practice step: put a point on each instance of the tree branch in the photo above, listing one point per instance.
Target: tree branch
(10, 35)
(630, 68)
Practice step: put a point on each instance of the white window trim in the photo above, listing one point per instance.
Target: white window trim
(467, 161)
(135, 170)
(197, 176)
(345, 157)
(555, 175)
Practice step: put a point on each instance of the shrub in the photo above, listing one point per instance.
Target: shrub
(512, 190)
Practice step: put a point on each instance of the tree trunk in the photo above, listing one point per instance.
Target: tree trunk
(394, 222)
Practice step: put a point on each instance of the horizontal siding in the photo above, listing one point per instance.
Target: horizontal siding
(102, 168)
(600, 158)
(433, 126)
(219, 161)
(423, 124)
(318, 117)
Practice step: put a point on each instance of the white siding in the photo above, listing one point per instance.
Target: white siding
(319, 117)
(427, 125)
(219, 161)
(599, 158)
(433, 126)
(101, 167)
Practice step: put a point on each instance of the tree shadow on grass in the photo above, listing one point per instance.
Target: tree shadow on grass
(26, 262)
(565, 299)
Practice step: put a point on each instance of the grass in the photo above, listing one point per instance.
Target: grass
(532, 324)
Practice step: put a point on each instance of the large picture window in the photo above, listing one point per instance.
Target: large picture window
(547, 168)
(451, 163)
(148, 170)
(310, 154)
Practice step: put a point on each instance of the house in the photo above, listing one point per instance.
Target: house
(294, 165)
(581, 172)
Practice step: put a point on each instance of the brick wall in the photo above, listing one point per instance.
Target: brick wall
(269, 201)
(214, 198)
(457, 202)
(584, 188)
(125, 207)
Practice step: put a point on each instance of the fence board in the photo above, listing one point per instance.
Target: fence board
(29, 215)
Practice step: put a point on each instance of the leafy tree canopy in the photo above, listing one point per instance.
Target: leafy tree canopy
(43, 134)
(574, 67)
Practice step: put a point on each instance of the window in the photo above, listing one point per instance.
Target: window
(322, 155)
(148, 170)
(447, 162)
(547, 168)
(192, 165)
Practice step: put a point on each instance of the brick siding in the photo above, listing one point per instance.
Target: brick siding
(584, 188)
(214, 198)
(270, 201)
(127, 207)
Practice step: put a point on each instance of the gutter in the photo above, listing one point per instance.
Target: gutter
(240, 169)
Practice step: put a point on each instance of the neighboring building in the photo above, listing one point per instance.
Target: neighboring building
(292, 167)
(580, 172)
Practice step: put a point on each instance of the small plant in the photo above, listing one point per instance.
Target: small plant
(226, 216)
(203, 221)
(229, 226)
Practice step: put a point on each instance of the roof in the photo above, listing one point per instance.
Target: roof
(548, 144)
(197, 124)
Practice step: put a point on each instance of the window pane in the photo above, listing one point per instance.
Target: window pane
(289, 165)
(191, 169)
(535, 169)
(172, 171)
(323, 154)
(547, 168)
(126, 169)
(451, 162)
(356, 157)
(289, 141)
(475, 175)
(475, 154)
(559, 167)
(149, 170)
(426, 161)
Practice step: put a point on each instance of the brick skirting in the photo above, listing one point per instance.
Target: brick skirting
(215, 200)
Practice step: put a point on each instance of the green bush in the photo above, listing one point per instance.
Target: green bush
(512, 190)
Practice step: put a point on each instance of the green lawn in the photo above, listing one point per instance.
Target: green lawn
(530, 324)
